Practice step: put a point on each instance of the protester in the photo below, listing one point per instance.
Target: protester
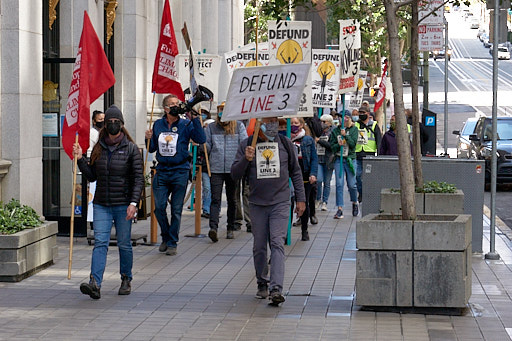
(346, 138)
(368, 142)
(269, 201)
(98, 119)
(308, 161)
(170, 137)
(315, 128)
(325, 162)
(207, 195)
(242, 199)
(116, 165)
(388, 143)
(222, 141)
(423, 132)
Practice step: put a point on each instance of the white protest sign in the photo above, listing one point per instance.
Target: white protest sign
(325, 77)
(207, 72)
(430, 37)
(350, 53)
(265, 91)
(245, 58)
(354, 100)
(289, 42)
(431, 12)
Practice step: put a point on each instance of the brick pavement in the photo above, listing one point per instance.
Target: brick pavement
(206, 292)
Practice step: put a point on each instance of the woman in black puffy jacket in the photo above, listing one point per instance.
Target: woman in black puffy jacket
(116, 165)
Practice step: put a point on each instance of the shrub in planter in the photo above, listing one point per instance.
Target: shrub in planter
(15, 217)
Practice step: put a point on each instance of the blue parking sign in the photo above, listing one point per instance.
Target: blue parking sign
(430, 121)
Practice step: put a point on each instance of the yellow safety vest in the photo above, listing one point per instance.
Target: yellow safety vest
(371, 145)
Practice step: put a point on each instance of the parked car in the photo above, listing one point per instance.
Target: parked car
(481, 147)
(441, 54)
(474, 23)
(463, 142)
(503, 52)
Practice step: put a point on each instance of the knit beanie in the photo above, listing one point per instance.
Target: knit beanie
(114, 112)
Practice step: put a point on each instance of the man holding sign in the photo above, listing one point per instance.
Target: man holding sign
(268, 167)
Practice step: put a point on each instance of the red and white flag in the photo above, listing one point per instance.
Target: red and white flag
(92, 77)
(165, 72)
(382, 89)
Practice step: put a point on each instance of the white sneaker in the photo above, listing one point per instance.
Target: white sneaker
(317, 203)
(324, 206)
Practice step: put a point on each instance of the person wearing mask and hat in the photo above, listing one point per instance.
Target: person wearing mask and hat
(170, 138)
(368, 142)
(98, 119)
(116, 164)
(222, 141)
(325, 162)
(268, 168)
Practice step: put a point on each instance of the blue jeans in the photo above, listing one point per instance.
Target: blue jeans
(351, 181)
(103, 216)
(359, 173)
(172, 183)
(323, 182)
(207, 193)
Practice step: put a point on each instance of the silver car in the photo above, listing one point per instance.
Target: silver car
(463, 142)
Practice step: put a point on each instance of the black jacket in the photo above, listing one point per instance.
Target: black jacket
(119, 174)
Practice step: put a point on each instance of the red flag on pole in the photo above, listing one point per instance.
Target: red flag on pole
(382, 88)
(165, 73)
(92, 76)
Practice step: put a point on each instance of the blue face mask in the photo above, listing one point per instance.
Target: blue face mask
(270, 130)
(204, 117)
(220, 114)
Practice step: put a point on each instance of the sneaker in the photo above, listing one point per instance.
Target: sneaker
(317, 203)
(126, 286)
(313, 220)
(305, 236)
(339, 214)
(297, 223)
(355, 209)
(91, 289)
(163, 247)
(237, 227)
(205, 215)
(172, 251)
(324, 206)
(230, 235)
(276, 297)
(262, 291)
(213, 235)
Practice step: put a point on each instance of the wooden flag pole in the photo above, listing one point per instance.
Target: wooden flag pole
(72, 221)
(147, 146)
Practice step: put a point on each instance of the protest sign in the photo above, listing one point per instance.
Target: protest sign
(208, 69)
(354, 100)
(325, 77)
(245, 58)
(265, 91)
(289, 42)
(350, 53)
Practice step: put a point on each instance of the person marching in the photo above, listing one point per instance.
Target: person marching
(325, 163)
(268, 168)
(116, 164)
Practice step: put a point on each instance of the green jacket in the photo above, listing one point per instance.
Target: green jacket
(351, 137)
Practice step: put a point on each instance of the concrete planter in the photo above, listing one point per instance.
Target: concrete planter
(421, 263)
(426, 203)
(27, 252)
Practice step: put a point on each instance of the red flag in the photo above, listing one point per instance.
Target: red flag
(382, 88)
(165, 73)
(92, 76)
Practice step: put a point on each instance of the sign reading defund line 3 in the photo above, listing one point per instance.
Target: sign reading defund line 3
(265, 91)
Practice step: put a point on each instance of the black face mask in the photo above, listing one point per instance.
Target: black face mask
(174, 111)
(363, 117)
(100, 125)
(113, 128)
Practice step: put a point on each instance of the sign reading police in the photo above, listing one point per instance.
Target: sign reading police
(265, 91)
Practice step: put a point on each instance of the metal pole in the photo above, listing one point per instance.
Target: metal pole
(425, 80)
(493, 255)
(445, 87)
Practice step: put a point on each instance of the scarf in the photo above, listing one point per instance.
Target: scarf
(117, 140)
(299, 135)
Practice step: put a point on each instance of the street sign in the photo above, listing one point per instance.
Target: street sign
(430, 37)
(431, 12)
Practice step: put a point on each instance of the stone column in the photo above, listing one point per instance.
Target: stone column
(210, 28)
(21, 101)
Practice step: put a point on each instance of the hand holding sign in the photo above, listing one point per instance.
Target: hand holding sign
(267, 91)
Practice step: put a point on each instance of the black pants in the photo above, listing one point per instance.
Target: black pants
(305, 216)
(216, 183)
(312, 200)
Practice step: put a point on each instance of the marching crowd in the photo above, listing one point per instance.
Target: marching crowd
(287, 169)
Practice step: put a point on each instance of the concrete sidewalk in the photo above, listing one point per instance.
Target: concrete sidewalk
(206, 292)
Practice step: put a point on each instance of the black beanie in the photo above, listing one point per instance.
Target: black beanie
(114, 112)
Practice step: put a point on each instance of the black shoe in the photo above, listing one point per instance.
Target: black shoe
(339, 214)
(230, 235)
(163, 247)
(355, 209)
(249, 228)
(262, 291)
(126, 286)
(305, 236)
(313, 220)
(213, 235)
(276, 297)
(205, 215)
(237, 227)
(91, 289)
(172, 251)
(297, 223)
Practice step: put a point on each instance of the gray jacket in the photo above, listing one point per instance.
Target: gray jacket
(222, 148)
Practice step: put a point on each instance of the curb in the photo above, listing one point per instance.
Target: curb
(500, 224)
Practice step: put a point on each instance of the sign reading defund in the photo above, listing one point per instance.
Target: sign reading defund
(350, 53)
(265, 91)
(240, 58)
(325, 77)
(289, 42)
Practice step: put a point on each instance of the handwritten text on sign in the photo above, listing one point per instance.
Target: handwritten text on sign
(350, 53)
(265, 91)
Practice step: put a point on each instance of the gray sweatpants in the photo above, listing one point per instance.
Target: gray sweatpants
(269, 225)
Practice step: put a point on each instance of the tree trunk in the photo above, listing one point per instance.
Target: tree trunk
(416, 144)
(402, 135)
